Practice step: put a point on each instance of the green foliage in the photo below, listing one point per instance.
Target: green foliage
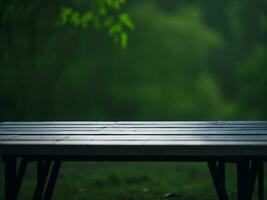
(252, 82)
(184, 61)
(130, 181)
(96, 14)
(183, 43)
(101, 15)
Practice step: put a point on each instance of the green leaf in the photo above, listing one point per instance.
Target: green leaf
(75, 18)
(123, 40)
(115, 4)
(116, 28)
(125, 19)
(65, 14)
(86, 18)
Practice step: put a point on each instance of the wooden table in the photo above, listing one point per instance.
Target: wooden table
(214, 142)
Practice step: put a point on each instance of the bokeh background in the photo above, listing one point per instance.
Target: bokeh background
(184, 60)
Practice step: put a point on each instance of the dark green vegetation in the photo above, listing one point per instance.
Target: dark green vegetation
(131, 181)
(185, 60)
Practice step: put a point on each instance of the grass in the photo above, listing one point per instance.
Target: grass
(130, 181)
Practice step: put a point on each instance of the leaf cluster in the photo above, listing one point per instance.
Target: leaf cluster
(103, 14)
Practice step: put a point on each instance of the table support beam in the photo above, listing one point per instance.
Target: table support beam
(261, 181)
(52, 181)
(20, 174)
(218, 176)
(47, 173)
(243, 180)
(13, 177)
(10, 178)
(247, 173)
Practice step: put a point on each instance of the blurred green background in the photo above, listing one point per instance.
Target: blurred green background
(134, 60)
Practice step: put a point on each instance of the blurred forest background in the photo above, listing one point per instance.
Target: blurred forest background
(134, 60)
(184, 60)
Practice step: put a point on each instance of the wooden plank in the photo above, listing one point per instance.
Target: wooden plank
(217, 124)
(137, 143)
(130, 128)
(137, 126)
(131, 122)
(91, 128)
(138, 132)
(136, 138)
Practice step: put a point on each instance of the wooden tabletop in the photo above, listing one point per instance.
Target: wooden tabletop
(130, 138)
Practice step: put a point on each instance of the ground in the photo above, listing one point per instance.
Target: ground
(130, 181)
